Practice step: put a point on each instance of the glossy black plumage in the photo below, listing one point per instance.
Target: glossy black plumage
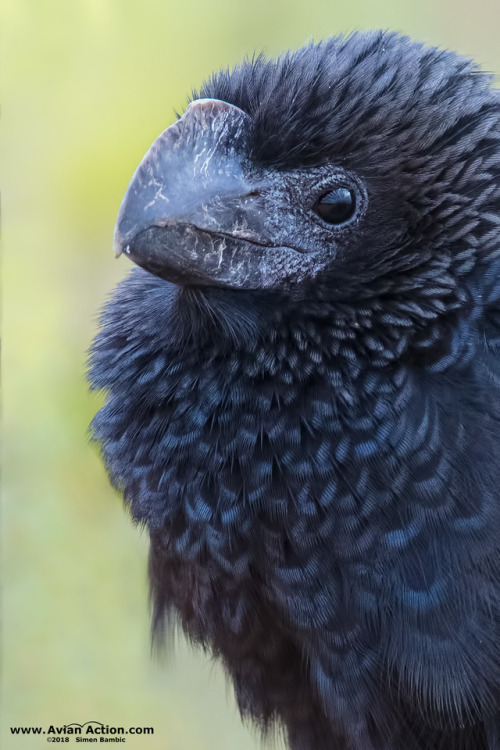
(318, 463)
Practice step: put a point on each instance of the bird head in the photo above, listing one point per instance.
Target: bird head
(350, 169)
(201, 210)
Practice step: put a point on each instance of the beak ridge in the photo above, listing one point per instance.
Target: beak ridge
(199, 157)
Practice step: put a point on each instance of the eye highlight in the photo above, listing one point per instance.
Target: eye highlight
(337, 206)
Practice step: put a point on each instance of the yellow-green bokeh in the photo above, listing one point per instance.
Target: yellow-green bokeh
(87, 85)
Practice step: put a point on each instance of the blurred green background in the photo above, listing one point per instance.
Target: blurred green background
(87, 85)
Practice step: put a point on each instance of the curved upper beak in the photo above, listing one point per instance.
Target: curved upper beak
(199, 211)
(194, 175)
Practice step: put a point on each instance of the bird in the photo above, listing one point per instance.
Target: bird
(302, 383)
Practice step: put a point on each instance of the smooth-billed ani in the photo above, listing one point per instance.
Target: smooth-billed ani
(303, 389)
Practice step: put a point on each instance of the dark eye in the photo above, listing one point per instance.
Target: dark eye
(337, 206)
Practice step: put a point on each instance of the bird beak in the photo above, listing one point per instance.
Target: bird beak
(192, 199)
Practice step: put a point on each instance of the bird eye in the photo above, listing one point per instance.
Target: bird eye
(337, 206)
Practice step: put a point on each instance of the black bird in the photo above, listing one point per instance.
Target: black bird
(303, 389)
